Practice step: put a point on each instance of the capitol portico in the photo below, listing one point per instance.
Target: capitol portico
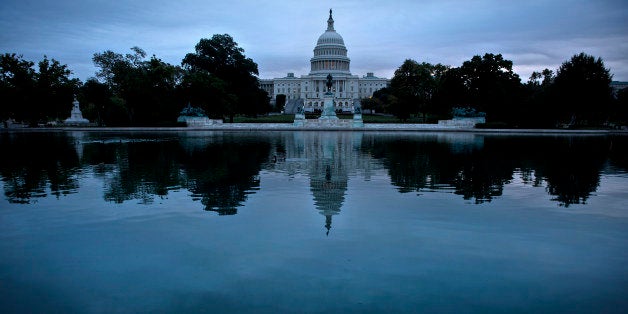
(330, 57)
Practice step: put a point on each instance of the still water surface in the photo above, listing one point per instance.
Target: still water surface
(312, 222)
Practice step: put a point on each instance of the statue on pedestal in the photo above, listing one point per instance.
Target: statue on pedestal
(195, 117)
(329, 82)
(76, 116)
(329, 108)
(357, 114)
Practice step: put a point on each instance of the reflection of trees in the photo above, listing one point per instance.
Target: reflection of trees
(570, 166)
(143, 169)
(217, 170)
(417, 163)
(224, 171)
(32, 162)
(220, 169)
(619, 152)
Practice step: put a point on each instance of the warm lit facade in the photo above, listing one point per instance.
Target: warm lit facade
(330, 57)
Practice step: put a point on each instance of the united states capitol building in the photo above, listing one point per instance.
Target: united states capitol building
(330, 57)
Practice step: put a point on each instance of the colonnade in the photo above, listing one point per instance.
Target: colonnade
(330, 65)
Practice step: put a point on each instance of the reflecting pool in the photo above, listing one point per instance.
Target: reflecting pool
(273, 222)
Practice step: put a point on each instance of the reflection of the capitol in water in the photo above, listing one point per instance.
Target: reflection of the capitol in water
(235, 222)
(328, 158)
(221, 170)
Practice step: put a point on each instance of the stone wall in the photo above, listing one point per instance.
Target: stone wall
(461, 122)
(199, 122)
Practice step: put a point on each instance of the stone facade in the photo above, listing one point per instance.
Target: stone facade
(330, 57)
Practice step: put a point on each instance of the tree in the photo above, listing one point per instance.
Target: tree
(532, 112)
(161, 81)
(491, 85)
(414, 85)
(95, 98)
(534, 78)
(221, 58)
(35, 96)
(451, 92)
(144, 89)
(280, 102)
(17, 83)
(439, 73)
(55, 90)
(380, 102)
(582, 92)
(548, 77)
(120, 74)
(206, 92)
(621, 106)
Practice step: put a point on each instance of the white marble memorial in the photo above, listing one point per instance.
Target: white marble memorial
(76, 116)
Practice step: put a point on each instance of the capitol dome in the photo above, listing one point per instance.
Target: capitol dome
(330, 53)
(330, 37)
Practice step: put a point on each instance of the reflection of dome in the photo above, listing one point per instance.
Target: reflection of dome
(329, 192)
(328, 158)
(330, 53)
(329, 187)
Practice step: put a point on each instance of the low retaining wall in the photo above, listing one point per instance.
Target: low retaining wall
(461, 122)
(199, 122)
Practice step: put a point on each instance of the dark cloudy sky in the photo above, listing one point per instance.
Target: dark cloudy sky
(280, 35)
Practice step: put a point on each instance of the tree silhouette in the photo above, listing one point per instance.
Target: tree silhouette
(582, 92)
(222, 63)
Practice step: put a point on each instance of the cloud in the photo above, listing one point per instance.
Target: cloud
(280, 35)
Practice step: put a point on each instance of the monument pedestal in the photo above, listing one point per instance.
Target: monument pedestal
(299, 119)
(329, 110)
(195, 117)
(76, 116)
(357, 120)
